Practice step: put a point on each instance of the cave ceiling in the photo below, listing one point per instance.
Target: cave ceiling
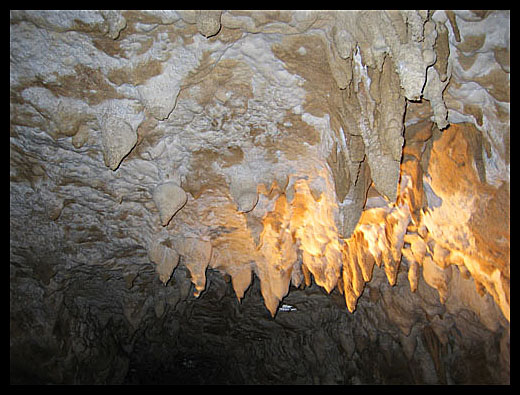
(265, 151)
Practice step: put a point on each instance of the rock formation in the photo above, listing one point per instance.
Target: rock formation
(259, 196)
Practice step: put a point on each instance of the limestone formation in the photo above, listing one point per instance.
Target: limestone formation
(118, 139)
(243, 190)
(197, 255)
(208, 23)
(163, 254)
(233, 196)
(169, 198)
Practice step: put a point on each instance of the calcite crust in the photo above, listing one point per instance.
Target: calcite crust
(297, 147)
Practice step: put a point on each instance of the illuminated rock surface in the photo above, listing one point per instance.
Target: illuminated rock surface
(259, 197)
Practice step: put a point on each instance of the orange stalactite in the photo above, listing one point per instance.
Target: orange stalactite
(300, 237)
(305, 227)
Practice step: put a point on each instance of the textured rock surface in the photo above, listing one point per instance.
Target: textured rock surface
(259, 197)
(169, 198)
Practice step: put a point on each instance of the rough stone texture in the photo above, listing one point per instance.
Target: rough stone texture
(169, 198)
(259, 197)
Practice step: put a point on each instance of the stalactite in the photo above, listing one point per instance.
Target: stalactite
(263, 162)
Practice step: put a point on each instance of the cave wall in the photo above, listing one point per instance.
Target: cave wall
(259, 197)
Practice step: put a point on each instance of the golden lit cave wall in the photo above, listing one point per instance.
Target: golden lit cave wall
(299, 238)
(331, 130)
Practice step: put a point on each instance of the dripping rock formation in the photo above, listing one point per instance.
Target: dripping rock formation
(259, 197)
